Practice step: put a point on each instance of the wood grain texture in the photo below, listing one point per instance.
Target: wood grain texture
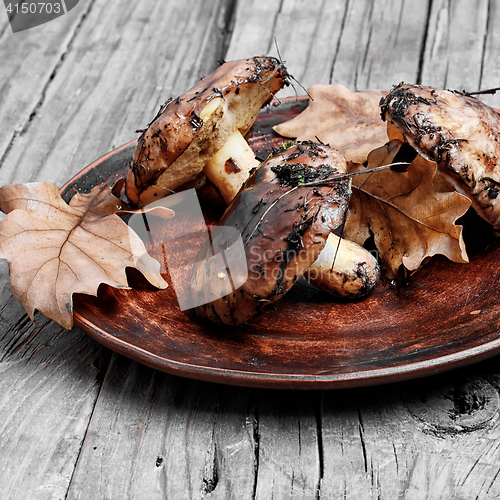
(49, 394)
(30, 60)
(404, 440)
(123, 76)
(361, 44)
(455, 45)
(490, 63)
(145, 417)
(4, 24)
(289, 453)
(66, 433)
(49, 381)
(380, 44)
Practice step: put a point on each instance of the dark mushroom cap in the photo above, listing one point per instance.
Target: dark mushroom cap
(460, 133)
(284, 224)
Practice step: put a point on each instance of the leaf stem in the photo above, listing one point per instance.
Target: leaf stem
(342, 177)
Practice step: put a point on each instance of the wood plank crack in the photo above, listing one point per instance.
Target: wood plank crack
(85, 436)
(319, 439)
(211, 475)
(362, 439)
(272, 41)
(227, 29)
(45, 88)
(424, 43)
(485, 42)
(256, 442)
(492, 483)
(339, 39)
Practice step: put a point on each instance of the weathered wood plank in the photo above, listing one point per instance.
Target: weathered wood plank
(374, 444)
(4, 24)
(158, 436)
(308, 37)
(289, 463)
(151, 436)
(304, 35)
(112, 82)
(49, 381)
(195, 440)
(253, 29)
(380, 44)
(490, 64)
(454, 49)
(235, 448)
(29, 60)
(457, 416)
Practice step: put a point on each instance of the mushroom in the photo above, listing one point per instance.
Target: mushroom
(189, 131)
(284, 214)
(457, 131)
(344, 269)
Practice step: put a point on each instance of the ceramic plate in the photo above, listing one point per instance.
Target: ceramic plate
(445, 316)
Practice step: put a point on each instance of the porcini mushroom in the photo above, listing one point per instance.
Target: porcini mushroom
(457, 131)
(188, 131)
(284, 223)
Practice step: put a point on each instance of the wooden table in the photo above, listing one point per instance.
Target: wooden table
(79, 421)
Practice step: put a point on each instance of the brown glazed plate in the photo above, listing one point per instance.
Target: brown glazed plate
(444, 317)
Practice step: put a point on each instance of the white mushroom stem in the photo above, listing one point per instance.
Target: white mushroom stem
(230, 167)
(344, 269)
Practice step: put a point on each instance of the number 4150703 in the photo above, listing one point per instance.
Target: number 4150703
(34, 8)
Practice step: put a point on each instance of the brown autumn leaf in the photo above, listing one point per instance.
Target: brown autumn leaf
(55, 250)
(409, 215)
(346, 120)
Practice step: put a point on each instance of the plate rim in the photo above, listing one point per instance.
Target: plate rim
(376, 376)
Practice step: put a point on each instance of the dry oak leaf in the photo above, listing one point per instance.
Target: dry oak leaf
(409, 217)
(55, 250)
(346, 120)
